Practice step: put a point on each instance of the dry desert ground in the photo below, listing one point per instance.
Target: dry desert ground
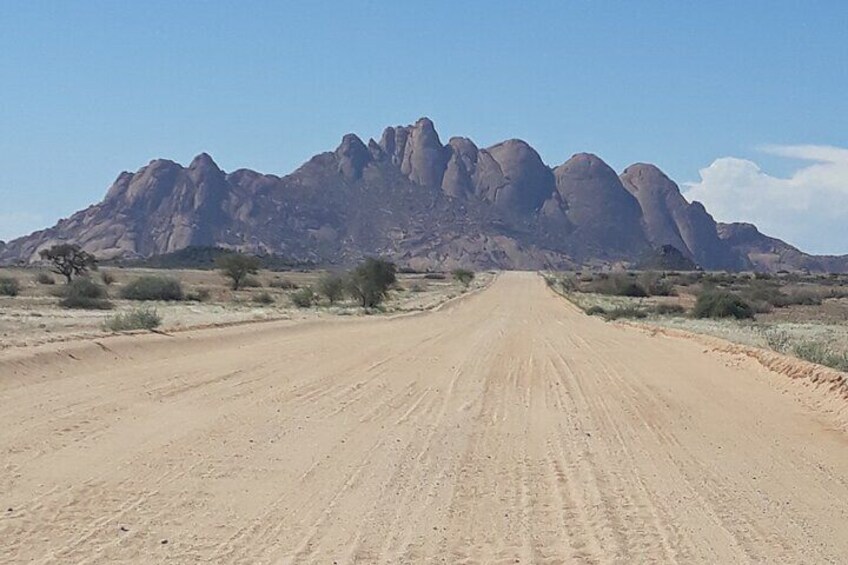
(505, 426)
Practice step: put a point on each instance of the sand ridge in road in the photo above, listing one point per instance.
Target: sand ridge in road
(505, 427)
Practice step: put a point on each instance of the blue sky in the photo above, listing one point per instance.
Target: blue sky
(88, 89)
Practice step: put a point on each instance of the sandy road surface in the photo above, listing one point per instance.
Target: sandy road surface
(505, 428)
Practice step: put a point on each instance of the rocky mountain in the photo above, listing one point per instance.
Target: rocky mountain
(770, 254)
(420, 201)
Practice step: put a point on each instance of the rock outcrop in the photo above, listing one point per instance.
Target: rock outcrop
(421, 202)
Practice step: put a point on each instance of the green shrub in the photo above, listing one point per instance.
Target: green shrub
(303, 298)
(618, 284)
(82, 293)
(284, 284)
(263, 298)
(9, 286)
(144, 318)
(237, 267)
(654, 284)
(370, 282)
(44, 278)
(332, 287)
(152, 287)
(596, 311)
(464, 276)
(630, 312)
(715, 303)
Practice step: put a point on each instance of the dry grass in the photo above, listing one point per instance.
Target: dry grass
(34, 316)
(805, 316)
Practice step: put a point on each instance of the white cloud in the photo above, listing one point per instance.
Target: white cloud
(16, 224)
(809, 208)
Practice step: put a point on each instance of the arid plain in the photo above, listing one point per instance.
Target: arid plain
(503, 426)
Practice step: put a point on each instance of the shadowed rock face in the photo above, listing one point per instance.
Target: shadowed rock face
(418, 201)
(527, 181)
(668, 219)
(600, 208)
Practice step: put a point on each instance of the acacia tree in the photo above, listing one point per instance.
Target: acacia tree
(332, 286)
(370, 281)
(237, 267)
(69, 260)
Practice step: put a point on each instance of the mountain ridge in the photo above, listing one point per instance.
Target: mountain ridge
(421, 202)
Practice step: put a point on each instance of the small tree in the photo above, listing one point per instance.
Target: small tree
(237, 267)
(332, 287)
(369, 282)
(69, 260)
(464, 276)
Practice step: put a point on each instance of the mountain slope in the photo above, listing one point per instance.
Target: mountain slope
(410, 197)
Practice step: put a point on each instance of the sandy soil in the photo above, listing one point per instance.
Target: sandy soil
(505, 427)
(35, 317)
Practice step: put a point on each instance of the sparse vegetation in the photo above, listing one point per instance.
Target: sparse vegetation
(263, 298)
(370, 281)
(596, 310)
(332, 287)
(107, 278)
(69, 260)
(251, 282)
(717, 303)
(821, 353)
(143, 318)
(83, 293)
(464, 276)
(238, 267)
(9, 286)
(669, 310)
(44, 278)
(629, 312)
(304, 297)
(284, 284)
(199, 294)
(153, 287)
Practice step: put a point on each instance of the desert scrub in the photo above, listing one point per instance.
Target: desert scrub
(284, 284)
(303, 298)
(152, 287)
(144, 318)
(84, 294)
(107, 278)
(263, 298)
(332, 287)
(464, 276)
(813, 350)
(669, 310)
(822, 354)
(716, 303)
(9, 286)
(199, 294)
(45, 279)
(626, 312)
(596, 311)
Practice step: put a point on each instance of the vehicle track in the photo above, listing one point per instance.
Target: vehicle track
(504, 427)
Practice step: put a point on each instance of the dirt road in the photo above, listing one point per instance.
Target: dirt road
(506, 428)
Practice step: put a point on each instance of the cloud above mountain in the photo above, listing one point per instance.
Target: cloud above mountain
(808, 207)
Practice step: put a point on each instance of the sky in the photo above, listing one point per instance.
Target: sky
(744, 104)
